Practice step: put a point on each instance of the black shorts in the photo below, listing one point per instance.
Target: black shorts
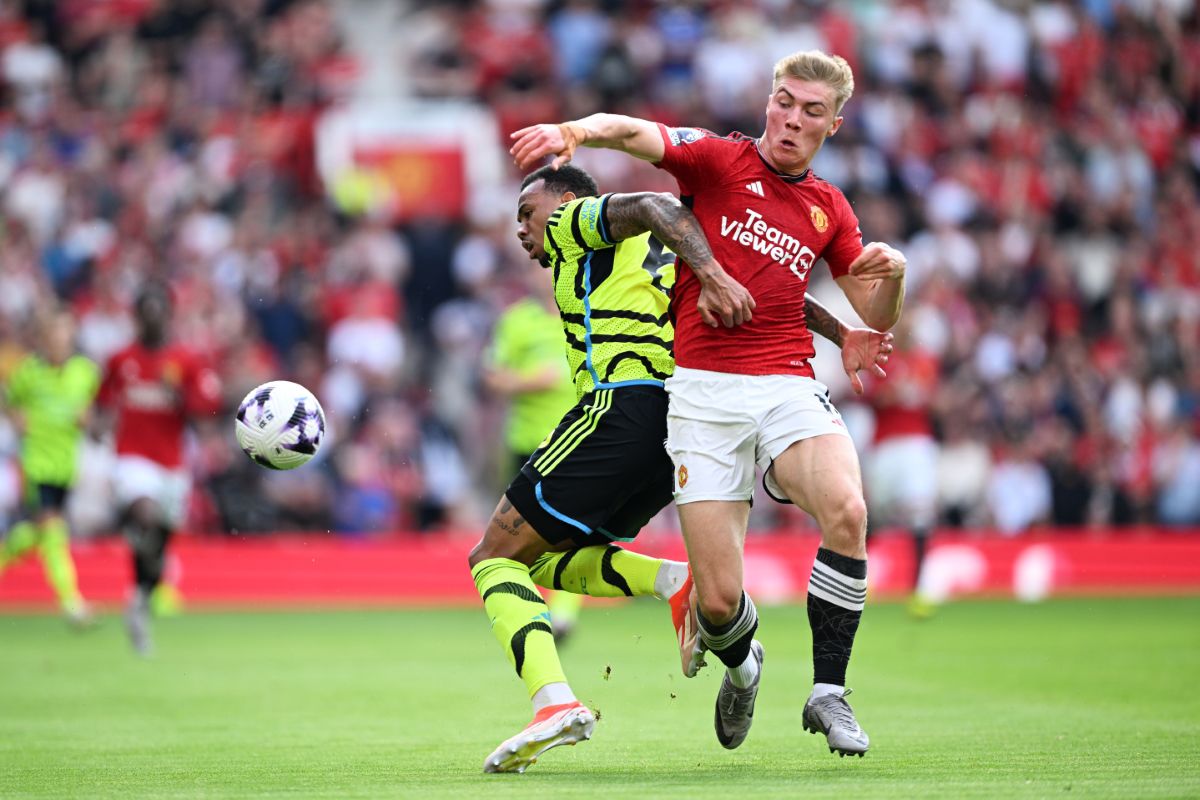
(603, 472)
(47, 497)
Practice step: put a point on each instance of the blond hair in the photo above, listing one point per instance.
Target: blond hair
(820, 67)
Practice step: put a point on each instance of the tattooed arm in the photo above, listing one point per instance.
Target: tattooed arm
(721, 297)
(823, 322)
(862, 348)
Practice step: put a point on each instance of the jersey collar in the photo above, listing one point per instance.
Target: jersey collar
(783, 176)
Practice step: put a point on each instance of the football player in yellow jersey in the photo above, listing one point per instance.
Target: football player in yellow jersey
(603, 472)
(525, 366)
(49, 394)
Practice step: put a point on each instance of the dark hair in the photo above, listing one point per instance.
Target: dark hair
(153, 289)
(567, 178)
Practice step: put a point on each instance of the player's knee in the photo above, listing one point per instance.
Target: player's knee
(483, 550)
(721, 605)
(847, 519)
(496, 543)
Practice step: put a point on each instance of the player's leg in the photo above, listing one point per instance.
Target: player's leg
(710, 439)
(521, 623)
(821, 475)
(54, 547)
(147, 535)
(714, 532)
(22, 537)
(564, 493)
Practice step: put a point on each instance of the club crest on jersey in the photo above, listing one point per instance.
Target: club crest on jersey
(682, 476)
(819, 220)
(680, 136)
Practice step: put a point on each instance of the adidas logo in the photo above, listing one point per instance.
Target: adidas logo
(756, 187)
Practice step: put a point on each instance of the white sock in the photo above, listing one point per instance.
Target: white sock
(552, 694)
(745, 675)
(822, 689)
(670, 577)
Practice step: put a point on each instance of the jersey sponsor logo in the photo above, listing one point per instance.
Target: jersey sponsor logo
(682, 476)
(754, 232)
(820, 220)
(680, 136)
(756, 187)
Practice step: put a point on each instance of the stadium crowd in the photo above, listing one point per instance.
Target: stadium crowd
(1038, 163)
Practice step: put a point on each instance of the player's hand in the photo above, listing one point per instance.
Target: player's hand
(879, 260)
(863, 348)
(724, 301)
(534, 143)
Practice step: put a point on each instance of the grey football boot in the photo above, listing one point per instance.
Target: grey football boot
(831, 715)
(735, 707)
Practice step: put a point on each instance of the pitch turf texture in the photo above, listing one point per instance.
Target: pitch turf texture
(1078, 698)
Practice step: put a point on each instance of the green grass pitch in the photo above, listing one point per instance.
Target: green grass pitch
(1072, 698)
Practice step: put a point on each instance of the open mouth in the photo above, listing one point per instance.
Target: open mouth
(528, 245)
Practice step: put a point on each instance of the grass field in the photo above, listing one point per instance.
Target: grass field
(1080, 698)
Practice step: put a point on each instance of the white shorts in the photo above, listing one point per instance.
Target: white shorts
(901, 481)
(137, 478)
(720, 425)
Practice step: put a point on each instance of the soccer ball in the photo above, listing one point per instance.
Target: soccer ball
(280, 425)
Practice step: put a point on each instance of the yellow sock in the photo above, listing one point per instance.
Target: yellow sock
(597, 571)
(520, 621)
(55, 549)
(20, 540)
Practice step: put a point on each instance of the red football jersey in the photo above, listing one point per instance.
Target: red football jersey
(153, 393)
(767, 230)
(903, 400)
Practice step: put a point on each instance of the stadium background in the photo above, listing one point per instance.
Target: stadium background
(326, 186)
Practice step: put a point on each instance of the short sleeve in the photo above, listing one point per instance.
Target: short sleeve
(693, 156)
(846, 243)
(579, 225)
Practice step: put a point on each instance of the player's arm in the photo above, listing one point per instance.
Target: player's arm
(637, 137)
(875, 285)
(721, 297)
(862, 348)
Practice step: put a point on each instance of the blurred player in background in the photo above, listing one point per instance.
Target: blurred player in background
(901, 472)
(747, 395)
(49, 396)
(603, 473)
(153, 387)
(527, 365)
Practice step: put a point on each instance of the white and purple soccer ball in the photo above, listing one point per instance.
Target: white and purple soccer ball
(280, 425)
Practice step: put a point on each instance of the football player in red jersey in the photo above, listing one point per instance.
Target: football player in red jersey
(153, 387)
(746, 395)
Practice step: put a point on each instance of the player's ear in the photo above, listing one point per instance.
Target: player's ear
(837, 123)
(567, 197)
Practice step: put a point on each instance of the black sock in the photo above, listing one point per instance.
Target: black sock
(837, 591)
(920, 545)
(731, 641)
(149, 545)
